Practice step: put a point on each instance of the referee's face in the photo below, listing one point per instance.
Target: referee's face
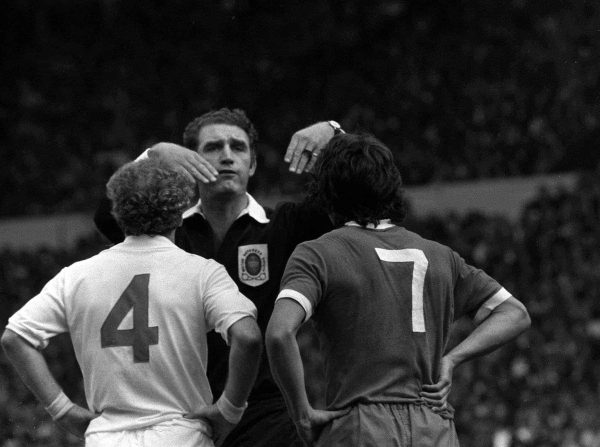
(227, 148)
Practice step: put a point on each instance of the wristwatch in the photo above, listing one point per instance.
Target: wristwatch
(337, 129)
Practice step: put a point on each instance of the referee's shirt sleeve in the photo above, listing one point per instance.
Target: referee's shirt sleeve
(305, 277)
(223, 303)
(43, 316)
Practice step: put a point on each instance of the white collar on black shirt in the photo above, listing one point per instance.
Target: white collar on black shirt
(384, 224)
(254, 210)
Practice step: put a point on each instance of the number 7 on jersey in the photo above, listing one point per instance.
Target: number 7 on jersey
(420, 264)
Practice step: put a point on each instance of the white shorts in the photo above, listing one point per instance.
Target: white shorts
(176, 432)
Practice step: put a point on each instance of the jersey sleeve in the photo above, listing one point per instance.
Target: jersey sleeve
(42, 317)
(474, 288)
(304, 278)
(223, 303)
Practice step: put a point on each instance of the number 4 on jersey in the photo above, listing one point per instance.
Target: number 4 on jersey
(141, 336)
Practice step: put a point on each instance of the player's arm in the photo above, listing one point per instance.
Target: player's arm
(307, 143)
(288, 370)
(499, 326)
(106, 223)
(244, 359)
(495, 327)
(284, 355)
(31, 366)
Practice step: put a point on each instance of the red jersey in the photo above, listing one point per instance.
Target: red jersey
(383, 300)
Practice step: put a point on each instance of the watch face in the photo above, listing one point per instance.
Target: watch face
(337, 129)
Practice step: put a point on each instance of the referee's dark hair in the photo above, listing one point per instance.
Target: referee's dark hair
(356, 178)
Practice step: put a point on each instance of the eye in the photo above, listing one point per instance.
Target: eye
(239, 146)
(211, 147)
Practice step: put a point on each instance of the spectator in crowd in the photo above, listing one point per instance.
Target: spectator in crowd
(147, 383)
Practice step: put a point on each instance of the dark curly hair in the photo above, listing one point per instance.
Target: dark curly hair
(148, 198)
(233, 117)
(356, 178)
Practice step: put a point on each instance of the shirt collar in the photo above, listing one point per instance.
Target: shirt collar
(146, 241)
(254, 210)
(384, 224)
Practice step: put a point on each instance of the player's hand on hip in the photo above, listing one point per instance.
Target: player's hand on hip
(310, 427)
(185, 160)
(436, 395)
(76, 420)
(305, 146)
(220, 426)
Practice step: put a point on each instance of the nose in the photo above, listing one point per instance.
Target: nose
(226, 154)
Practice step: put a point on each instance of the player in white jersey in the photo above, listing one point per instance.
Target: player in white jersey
(137, 314)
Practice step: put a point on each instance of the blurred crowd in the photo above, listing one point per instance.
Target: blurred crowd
(541, 390)
(460, 90)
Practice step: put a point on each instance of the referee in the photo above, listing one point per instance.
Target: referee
(253, 243)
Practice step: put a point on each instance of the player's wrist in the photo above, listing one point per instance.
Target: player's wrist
(337, 128)
(301, 414)
(453, 359)
(59, 406)
(230, 412)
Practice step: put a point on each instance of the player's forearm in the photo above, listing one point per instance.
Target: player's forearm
(288, 370)
(244, 360)
(31, 366)
(503, 324)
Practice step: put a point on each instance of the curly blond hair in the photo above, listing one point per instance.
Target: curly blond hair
(148, 198)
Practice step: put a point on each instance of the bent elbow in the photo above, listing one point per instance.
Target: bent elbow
(10, 341)
(520, 316)
(525, 319)
(276, 338)
(251, 340)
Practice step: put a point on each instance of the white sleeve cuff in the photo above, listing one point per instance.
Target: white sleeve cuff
(32, 338)
(498, 298)
(143, 156)
(223, 328)
(300, 299)
(59, 406)
(230, 412)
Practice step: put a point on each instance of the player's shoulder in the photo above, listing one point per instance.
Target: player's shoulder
(89, 264)
(428, 243)
(327, 243)
(431, 248)
(195, 259)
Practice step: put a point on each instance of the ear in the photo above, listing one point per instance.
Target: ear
(252, 164)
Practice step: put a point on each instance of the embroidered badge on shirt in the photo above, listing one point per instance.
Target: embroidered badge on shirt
(253, 267)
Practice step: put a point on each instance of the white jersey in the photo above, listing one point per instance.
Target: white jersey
(137, 314)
